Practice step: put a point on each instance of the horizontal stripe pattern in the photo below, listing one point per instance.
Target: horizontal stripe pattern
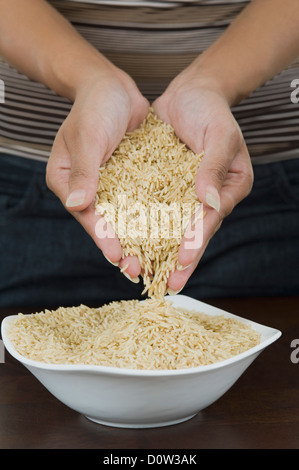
(153, 42)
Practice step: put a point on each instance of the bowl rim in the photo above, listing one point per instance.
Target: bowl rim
(274, 334)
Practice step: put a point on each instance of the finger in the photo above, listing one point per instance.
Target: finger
(141, 111)
(236, 186)
(238, 183)
(102, 234)
(130, 267)
(58, 168)
(161, 109)
(179, 277)
(220, 149)
(57, 175)
(87, 150)
(105, 238)
(194, 239)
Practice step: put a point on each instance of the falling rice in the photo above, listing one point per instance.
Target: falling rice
(146, 191)
(151, 335)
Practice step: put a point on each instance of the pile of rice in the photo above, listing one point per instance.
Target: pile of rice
(131, 334)
(152, 175)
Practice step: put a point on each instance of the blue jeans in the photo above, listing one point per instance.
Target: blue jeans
(47, 259)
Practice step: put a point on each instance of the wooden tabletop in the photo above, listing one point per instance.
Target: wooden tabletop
(260, 411)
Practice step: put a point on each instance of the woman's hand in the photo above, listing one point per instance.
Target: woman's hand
(105, 107)
(201, 117)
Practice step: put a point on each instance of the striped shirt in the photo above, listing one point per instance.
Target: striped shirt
(152, 41)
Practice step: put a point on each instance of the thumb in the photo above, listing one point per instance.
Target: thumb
(209, 180)
(86, 155)
(219, 153)
(82, 187)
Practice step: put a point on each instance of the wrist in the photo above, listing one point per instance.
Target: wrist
(69, 76)
(96, 71)
(220, 71)
(207, 73)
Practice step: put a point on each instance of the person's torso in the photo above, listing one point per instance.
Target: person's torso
(152, 41)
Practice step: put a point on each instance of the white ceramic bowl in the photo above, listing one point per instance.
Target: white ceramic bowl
(141, 398)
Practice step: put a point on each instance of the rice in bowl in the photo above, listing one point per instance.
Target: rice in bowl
(149, 335)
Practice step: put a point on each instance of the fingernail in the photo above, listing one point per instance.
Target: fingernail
(136, 280)
(180, 267)
(109, 260)
(76, 198)
(213, 198)
(173, 292)
(122, 270)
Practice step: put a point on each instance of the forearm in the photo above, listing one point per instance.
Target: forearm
(262, 40)
(42, 44)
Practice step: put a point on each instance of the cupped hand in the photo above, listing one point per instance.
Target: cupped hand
(104, 109)
(202, 119)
